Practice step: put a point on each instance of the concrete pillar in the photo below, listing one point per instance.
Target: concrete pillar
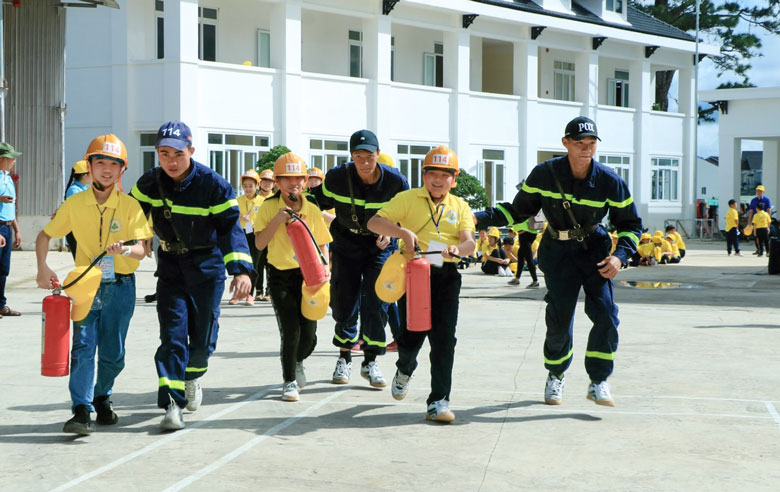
(120, 94)
(770, 176)
(525, 65)
(641, 98)
(475, 69)
(586, 82)
(729, 173)
(286, 57)
(456, 77)
(181, 64)
(687, 106)
(377, 51)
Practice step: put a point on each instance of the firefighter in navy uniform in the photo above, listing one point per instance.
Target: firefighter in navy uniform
(200, 236)
(576, 253)
(357, 190)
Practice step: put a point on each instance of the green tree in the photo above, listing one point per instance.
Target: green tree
(268, 159)
(730, 24)
(469, 189)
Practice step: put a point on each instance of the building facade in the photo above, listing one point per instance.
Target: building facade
(495, 80)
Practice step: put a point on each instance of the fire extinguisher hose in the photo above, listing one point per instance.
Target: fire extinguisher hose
(95, 262)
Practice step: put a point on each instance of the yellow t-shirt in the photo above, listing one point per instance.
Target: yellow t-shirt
(645, 250)
(678, 240)
(123, 220)
(761, 220)
(732, 219)
(673, 245)
(251, 207)
(414, 210)
(280, 250)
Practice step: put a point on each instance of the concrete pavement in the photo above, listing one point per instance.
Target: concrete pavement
(696, 390)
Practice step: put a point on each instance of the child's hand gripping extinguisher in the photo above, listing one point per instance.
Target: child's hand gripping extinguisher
(55, 326)
(418, 293)
(307, 252)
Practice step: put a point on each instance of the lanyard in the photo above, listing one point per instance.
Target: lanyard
(433, 218)
(100, 230)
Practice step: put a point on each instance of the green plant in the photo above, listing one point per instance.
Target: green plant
(471, 190)
(268, 159)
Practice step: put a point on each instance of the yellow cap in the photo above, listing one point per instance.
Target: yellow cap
(267, 174)
(385, 159)
(645, 236)
(493, 231)
(82, 293)
(314, 302)
(391, 283)
(80, 167)
(760, 188)
(289, 164)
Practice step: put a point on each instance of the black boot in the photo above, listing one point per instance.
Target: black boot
(151, 298)
(80, 424)
(105, 412)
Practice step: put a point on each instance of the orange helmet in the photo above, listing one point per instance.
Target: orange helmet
(442, 158)
(385, 159)
(251, 174)
(267, 174)
(316, 172)
(289, 164)
(109, 146)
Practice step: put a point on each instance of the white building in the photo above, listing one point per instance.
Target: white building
(495, 80)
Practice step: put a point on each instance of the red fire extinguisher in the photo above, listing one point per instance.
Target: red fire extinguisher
(418, 294)
(307, 252)
(55, 334)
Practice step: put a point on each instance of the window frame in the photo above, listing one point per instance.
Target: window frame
(436, 61)
(564, 73)
(622, 168)
(260, 35)
(147, 149)
(159, 29)
(616, 6)
(490, 165)
(207, 21)
(224, 149)
(324, 158)
(407, 160)
(355, 43)
(659, 181)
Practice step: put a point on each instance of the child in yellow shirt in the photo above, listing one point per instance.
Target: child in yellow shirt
(248, 206)
(732, 228)
(285, 280)
(433, 219)
(761, 221)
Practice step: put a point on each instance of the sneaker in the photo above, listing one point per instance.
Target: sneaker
(553, 390)
(105, 412)
(373, 374)
(173, 419)
(737, 254)
(439, 411)
(80, 424)
(193, 393)
(599, 392)
(392, 347)
(729, 254)
(342, 372)
(250, 301)
(514, 281)
(533, 285)
(300, 374)
(290, 391)
(400, 385)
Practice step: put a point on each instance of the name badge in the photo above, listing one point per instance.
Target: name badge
(436, 260)
(106, 265)
(249, 228)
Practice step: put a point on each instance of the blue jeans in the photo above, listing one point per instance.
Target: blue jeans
(5, 260)
(104, 328)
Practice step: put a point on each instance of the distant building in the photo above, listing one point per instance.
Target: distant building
(707, 178)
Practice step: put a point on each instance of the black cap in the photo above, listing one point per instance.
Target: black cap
(581, 127)
(363, 140)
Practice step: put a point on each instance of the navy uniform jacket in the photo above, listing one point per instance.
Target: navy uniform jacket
(350, 237)
(602, 191)
(205, 211)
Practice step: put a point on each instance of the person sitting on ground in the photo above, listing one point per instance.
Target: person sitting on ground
(495, 262)
(507, 244)
(675, 250)
(666, 253)
(678, 240)
(481, 251)
(647, 252)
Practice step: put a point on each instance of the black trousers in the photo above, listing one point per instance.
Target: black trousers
(445, 292)
(255, 253)
(298, 334)
(261, 266)
(762, 238)
(524, 253)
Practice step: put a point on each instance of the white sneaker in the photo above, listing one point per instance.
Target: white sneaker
(553, 390)
(194, 394)
(300, 375)
(503, 272)
(600, 394)
(373, 374)
(439, 411)
(342, 372)
(400, 385)
(173, 419)
(290, 391)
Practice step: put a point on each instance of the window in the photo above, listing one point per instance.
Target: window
(410, 161)
(230, 155)
(159, 19)
(618, 89)
(614, 6)
(490, 171)
(433, 66)
(563, 73)
(207, 34)
(148, 152)
(327, 154)
(665, 182)
(355, 53)
(263, 48)
(621, 164)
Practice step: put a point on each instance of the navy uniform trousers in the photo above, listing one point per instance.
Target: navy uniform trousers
(567, 268)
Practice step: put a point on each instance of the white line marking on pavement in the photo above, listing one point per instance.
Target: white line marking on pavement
(157, 444)
(773, 412)
(249, 445)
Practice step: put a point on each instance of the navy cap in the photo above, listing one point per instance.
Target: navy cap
(174, 134)
(581, 127)
(363, 140)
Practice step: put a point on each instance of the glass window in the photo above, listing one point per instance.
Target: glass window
(148, 139)
(355, 53)
(665, 185)
(159, 5)
(239, 140)
(563, 78)
(315, 144)
(433, 66)
(207, 34)
(261, 141)
(148, 152)
(160, 37)
(215, 138)
(493, 154)
(355, 36)
(327, 154)
(207, 13)
(491, 174)
(621, 164)
(614, 6)
(230, 155)
(263, 48)
(411, 160)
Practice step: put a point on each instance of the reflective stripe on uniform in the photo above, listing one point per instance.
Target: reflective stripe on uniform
(196, 369)
(181, 209)
(631, 236)
(600, 355)
(359, 202)
(374, 343)
(587, 203)
(561, 360)
(507, 215)
(237, 257)
(173, 384)
(346, 340)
